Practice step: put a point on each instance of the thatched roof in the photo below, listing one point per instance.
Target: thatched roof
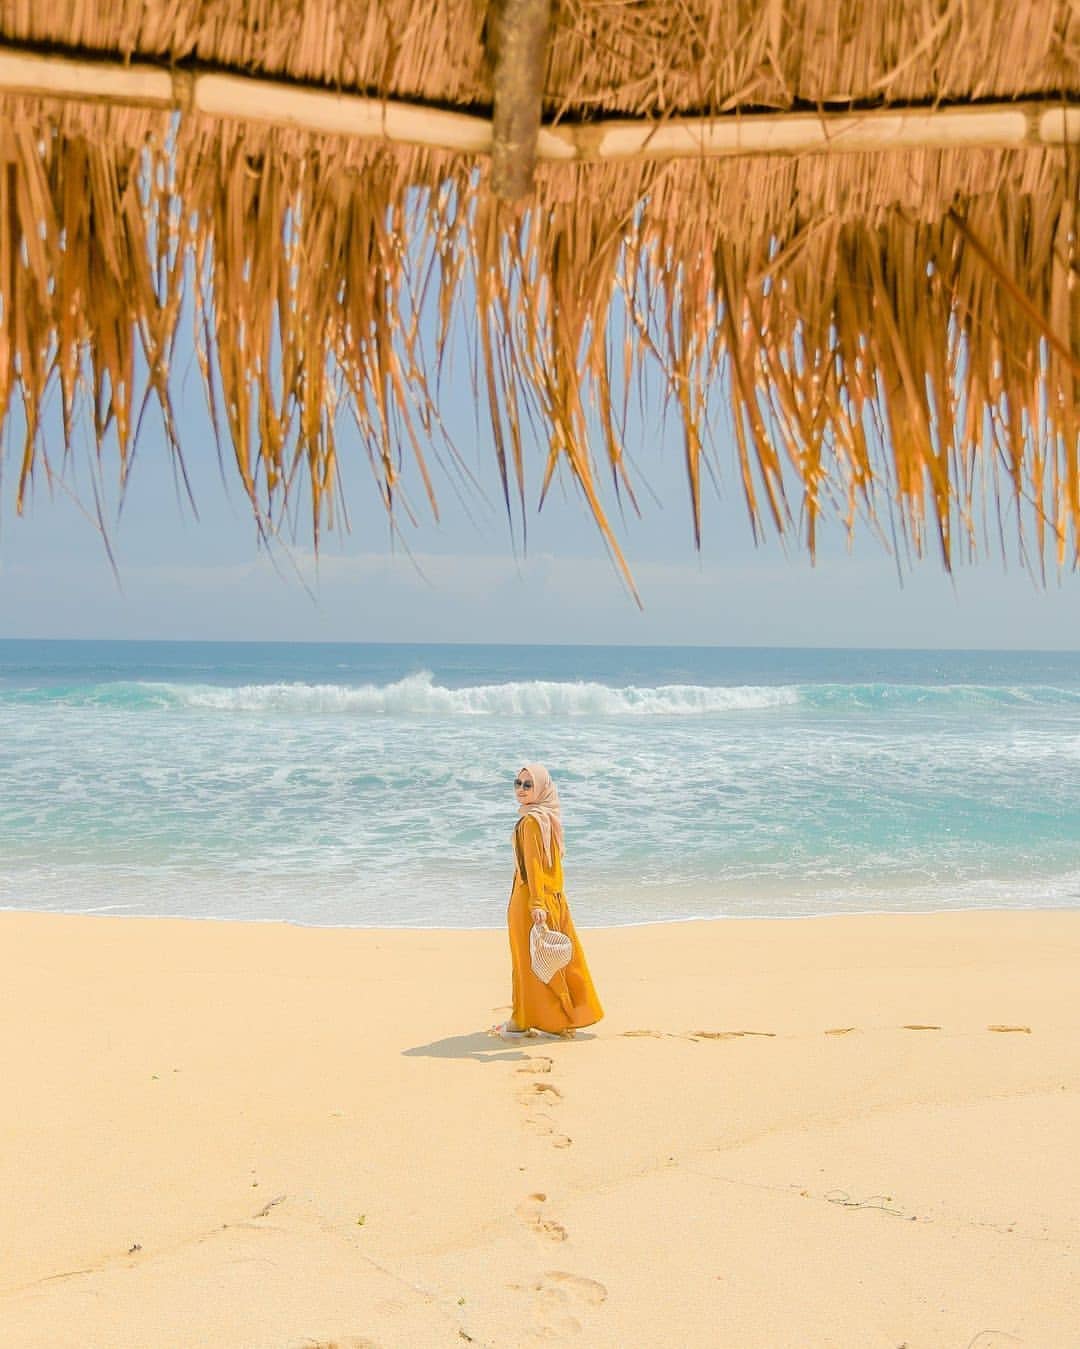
(856, 221)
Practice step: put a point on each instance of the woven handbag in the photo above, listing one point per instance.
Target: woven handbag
(549, 952)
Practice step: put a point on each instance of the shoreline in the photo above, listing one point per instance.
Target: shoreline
(703, 919)
(784, 1133)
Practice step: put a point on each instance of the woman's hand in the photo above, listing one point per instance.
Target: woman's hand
(539, 917)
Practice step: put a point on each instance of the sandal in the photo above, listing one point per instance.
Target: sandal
(503, 1032)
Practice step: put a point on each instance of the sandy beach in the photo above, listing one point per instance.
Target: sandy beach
(857, 1132)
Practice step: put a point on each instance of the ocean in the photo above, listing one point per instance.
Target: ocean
(371, 785)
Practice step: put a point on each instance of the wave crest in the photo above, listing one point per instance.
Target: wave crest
(419, 695)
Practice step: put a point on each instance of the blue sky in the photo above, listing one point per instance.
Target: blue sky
(208, 578)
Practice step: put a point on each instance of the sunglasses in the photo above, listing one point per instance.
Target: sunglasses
(523, 783)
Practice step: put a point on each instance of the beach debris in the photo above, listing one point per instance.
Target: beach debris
(361, 1220)
(272, 1203)
(134, 1248)
(1005, 1030)
(840, 1030)
(881, 1202)
(917, 1026)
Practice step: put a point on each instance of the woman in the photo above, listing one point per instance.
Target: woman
(569, 1000)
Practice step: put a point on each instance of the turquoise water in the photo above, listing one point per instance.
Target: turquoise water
(371, 785)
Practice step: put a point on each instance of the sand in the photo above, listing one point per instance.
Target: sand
(852, 1132)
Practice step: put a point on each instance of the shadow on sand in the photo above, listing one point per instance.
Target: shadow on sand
(484, 1048)
(479, 1045)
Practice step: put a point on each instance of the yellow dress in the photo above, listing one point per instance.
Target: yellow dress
(569, 1000)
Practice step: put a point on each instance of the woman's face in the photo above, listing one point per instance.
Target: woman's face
(524, 787)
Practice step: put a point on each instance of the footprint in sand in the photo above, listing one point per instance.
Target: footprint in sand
(531, 1212)
(344, 1342)
(536, 1063)
(557, 1296)
(730, 1034)
(544, 1126)
(697, 1034)
(573, 1287)
(543, 1092)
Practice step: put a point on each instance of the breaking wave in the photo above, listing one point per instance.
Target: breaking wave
(418, 695)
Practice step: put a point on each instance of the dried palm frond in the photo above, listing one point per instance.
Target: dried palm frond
(884, 325)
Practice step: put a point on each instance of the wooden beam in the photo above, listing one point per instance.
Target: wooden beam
(1029, 121)
(518, 33)
(61, 77)
(998, 125)
(268, 101)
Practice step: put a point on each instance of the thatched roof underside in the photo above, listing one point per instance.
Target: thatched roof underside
(894, 332)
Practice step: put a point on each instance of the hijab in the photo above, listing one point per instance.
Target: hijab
(544, 808)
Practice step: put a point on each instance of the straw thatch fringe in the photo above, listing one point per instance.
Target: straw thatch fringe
(887, 329)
